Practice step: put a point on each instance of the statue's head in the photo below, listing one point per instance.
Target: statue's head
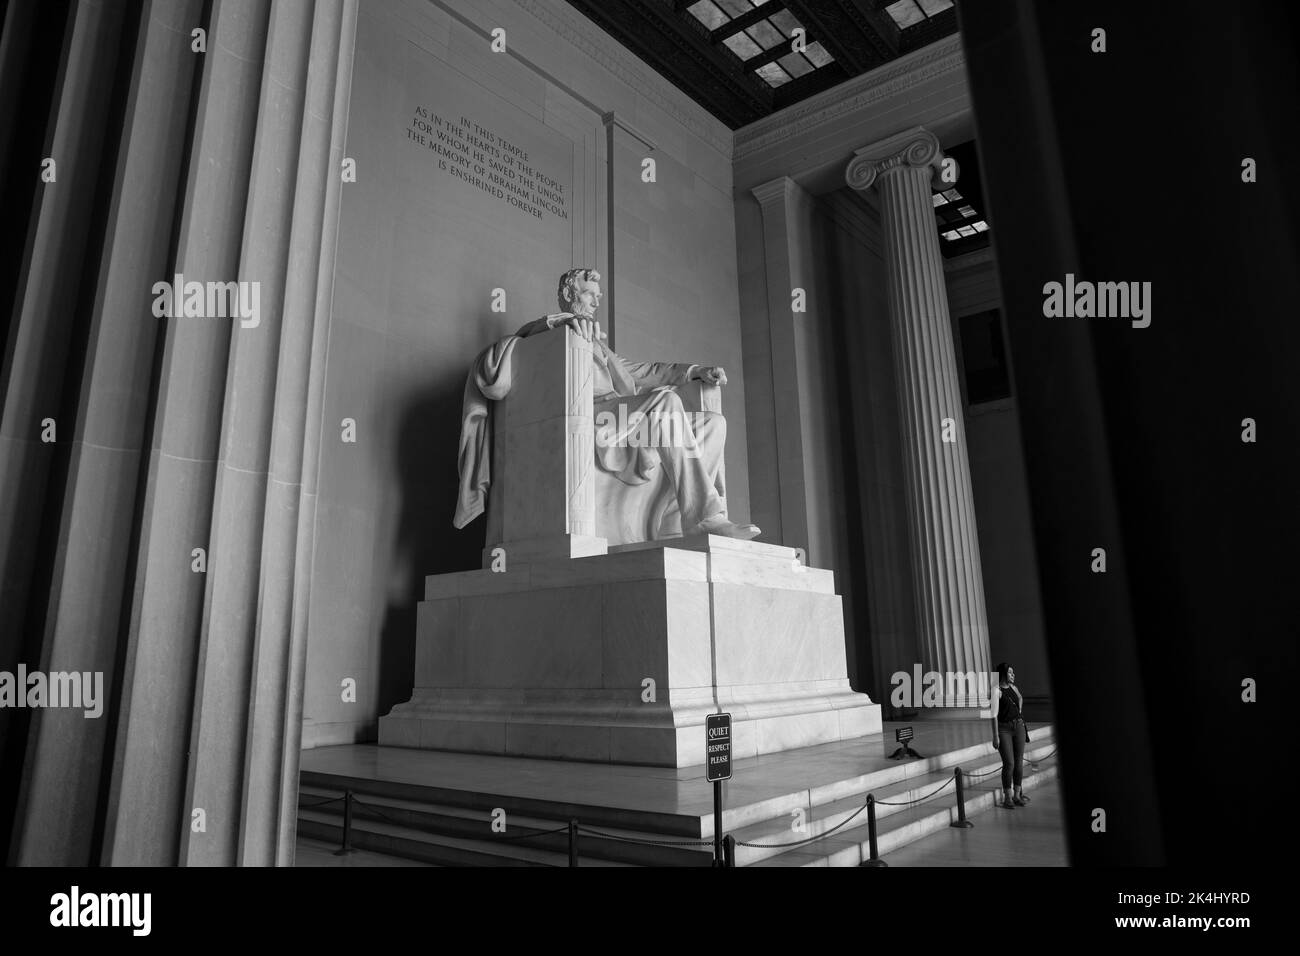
(579, 292)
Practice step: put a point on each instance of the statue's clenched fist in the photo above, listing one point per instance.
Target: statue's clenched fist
(711, 374)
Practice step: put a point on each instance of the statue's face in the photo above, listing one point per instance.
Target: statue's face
(586, 299)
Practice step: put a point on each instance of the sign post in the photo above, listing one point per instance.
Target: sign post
(717, 764)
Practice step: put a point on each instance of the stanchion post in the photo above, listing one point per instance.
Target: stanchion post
(717, 823)
(346, 848)
(961, 822)
(573, 843)
(729, 850)
(875, 859)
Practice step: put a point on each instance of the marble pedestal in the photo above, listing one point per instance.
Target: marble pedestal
(553, 658)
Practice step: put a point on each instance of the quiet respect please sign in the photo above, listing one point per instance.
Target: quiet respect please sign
(717, 747)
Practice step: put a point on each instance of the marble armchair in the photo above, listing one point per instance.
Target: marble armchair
(548, 497)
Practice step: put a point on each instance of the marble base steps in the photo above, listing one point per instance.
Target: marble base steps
(452, 827)
(461, 836)
(896, 826)
(431, 846)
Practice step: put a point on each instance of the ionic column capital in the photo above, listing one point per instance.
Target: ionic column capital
(913, 148)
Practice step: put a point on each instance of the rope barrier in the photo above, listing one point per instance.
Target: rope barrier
(908, 803)
(320, 803)
(1032, 761)
(622, 839)
(898, 803)
(529, 836)
(772, 846)
(497, 837)
(371, 806)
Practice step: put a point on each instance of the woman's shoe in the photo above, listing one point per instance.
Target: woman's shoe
(1019, 801)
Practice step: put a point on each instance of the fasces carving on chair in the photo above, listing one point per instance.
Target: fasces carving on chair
(587, 445)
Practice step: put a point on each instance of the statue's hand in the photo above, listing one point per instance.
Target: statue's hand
(586, 326)
(711, 374)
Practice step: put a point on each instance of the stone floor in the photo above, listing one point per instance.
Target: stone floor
(679, 801)
(1034, 836)
(1030, 836)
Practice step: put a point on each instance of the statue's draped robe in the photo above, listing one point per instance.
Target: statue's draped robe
(628, 395)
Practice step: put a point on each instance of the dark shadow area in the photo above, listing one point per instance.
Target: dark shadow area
(426, 542)
(35, 33)
(1126, 166)
(42, 40)
(852, 586)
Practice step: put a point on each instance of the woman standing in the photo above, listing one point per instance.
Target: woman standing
(1009, 735)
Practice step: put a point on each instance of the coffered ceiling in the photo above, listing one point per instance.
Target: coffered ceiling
(745, 59)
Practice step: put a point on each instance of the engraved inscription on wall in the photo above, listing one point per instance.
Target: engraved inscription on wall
(488, 161)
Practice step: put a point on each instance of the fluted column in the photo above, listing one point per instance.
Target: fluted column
(235, 597)
(949, 586)
(163, 676)
(179, 494)
(305, 531)
(34, 357)
(273, 742)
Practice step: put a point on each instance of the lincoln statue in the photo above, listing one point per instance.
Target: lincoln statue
(626, 395)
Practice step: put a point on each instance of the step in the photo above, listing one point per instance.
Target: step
(622, 845)
(848, 813)
(896, 827)
(680, 826)
(683, 825)
(383, 837)
(739, 817)
(851, 846)
(455, 820)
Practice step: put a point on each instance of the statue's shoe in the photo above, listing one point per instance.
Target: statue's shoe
(721, 525)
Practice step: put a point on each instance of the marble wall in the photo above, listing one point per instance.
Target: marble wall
(421, 250)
